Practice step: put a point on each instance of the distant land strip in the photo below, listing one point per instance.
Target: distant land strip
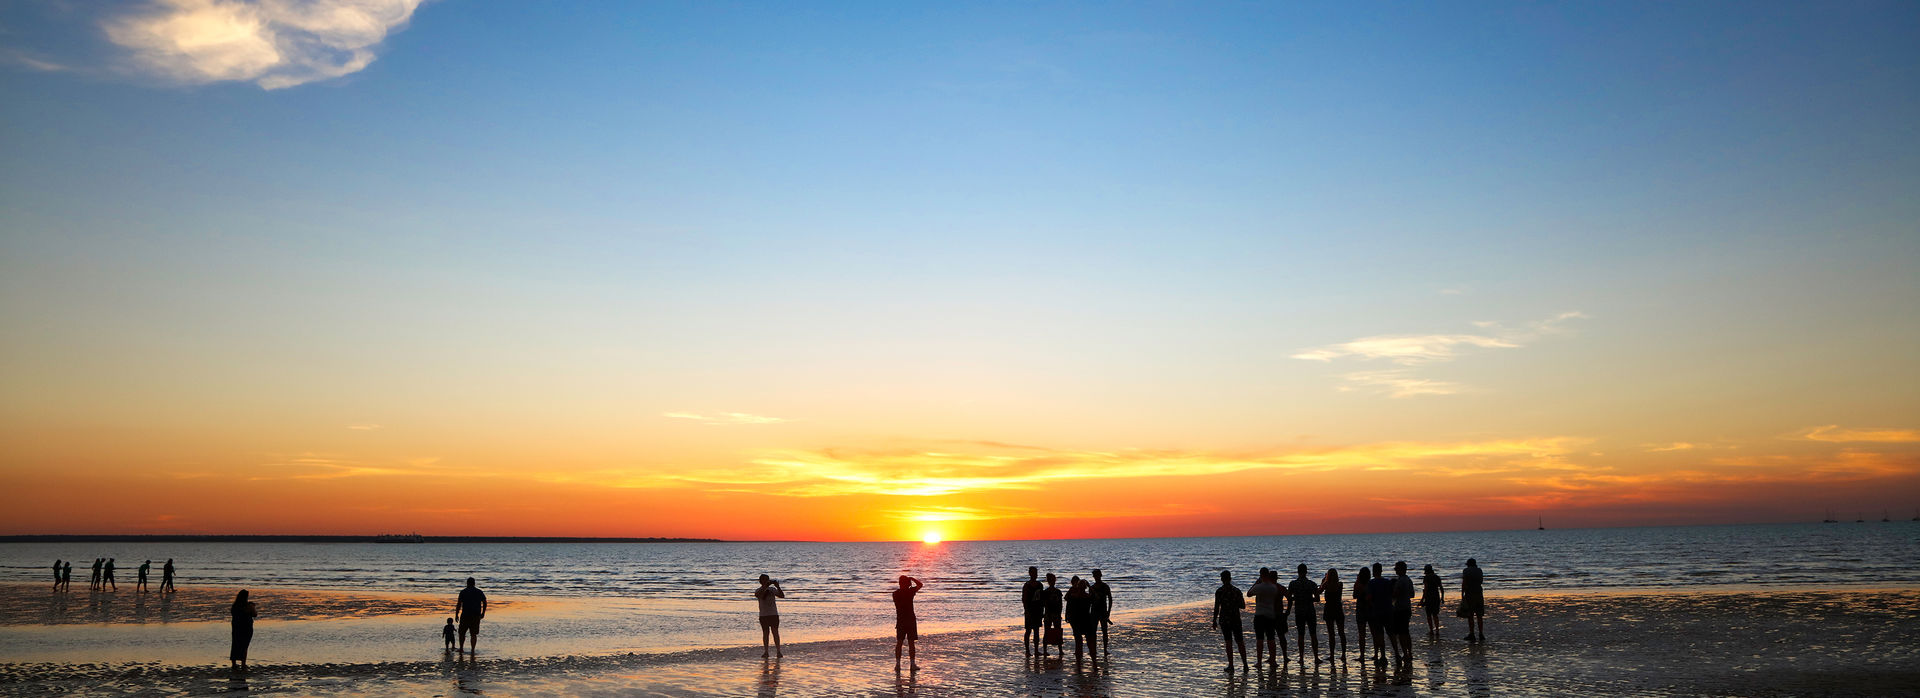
(175, 538)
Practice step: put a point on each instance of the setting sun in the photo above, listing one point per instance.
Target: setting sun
(930, 537)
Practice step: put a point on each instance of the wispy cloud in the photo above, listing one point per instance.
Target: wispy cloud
(272, 43)
(1833, 433)
(721, 418)
(365, 427)
(952, 468)
(1675, 446)
(1411, 350)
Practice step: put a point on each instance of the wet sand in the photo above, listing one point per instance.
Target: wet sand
(1774, 642)
(36, 604)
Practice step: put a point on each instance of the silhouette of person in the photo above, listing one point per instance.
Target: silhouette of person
(66, 576)
(1050, 607)
(107, 576)
(1102, 609)
(166, 576)
(1079, 616)
(1362, 608)
(1227, 603)
(467, 611)
(141, 585)
(906, 626)
(1335, 615)
(1031, 612)
(447, 633)
(56, 575)
(1267, 616)
(1433, 594)
(244, 612)
(1380, 607)
(1402, 613)
(1305, 626)
(94, 583)
(1473, 602)
(769, 613)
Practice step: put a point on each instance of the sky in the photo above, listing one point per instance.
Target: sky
(871, 271)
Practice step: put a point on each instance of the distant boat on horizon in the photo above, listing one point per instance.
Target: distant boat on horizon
(1830, 518)
(399, 538)
(1884, 518)
(1862, 519)
(1542, 522)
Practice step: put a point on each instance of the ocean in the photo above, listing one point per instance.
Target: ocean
(618, 597)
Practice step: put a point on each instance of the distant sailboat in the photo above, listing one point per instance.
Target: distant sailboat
(1862, 519)
(1884, 518)
(1830, 518)
(1916, 514)
(1543, 524)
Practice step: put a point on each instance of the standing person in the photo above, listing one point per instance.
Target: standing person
(1362, 608)
(1267, 617)
(1079, 617)
(106, 576)
(94, 583)
(56, 575)
(467, 611)
(166, 576)
(66, 576)
(769, 613)
(243, 614)
(1379, 611)
(906, 626)
(1473, 602)
(447, 633)
(1335, 615)
(1433, 594)
(1402, 613)
(1304, 623)
(1031, 612)
(1102, 610)
(1050, 607)
(141, 586)
(1227, 603)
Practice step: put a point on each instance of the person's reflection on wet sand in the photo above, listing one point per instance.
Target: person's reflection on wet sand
(769, 677)
(1479, 680)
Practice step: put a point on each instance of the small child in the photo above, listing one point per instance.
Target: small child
(448, 633)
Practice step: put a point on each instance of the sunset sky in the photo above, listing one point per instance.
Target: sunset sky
(858, 271)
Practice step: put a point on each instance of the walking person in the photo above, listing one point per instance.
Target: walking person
(1304, 591)
(106, 577)
(1335, 615)
(66, 576)
(1362, 609)
(243, 614)
(769, 613)
(141, 586)
(468, 609)
(906, 626)
(1031, 612)
(166, 576)
(1473, 602)
(1080, 617)
(94, 583)
(1433, 594)
(1402, 613)
(1268, 614)
(1227, 603)
(56, 575)
(1102, 610)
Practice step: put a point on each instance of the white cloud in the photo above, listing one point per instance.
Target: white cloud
(719, 418)
(272, 43)
(1417, 349)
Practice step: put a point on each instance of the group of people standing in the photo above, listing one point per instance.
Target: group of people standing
(1087, 608)
(1381, 604)
(103, 578)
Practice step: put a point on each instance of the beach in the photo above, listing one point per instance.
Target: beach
(1773, 641)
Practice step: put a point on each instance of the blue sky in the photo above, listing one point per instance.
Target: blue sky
(969, 219)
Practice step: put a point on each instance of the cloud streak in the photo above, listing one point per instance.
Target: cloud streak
(1410, 350)
(725, 418)
(1832, 433)
(275, 44)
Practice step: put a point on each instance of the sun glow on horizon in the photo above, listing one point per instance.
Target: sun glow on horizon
(930, 537)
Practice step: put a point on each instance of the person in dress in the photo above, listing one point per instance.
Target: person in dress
(1335, 616)
(243, 611)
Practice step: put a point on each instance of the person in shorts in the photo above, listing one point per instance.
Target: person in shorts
(1227, 603)
(1379, 611)
(906, 626)
(1473, 602)
(468, 611)
(769, 613)
(1268, 611)
(1102, 610)
(1402, 621)
(1302, 591)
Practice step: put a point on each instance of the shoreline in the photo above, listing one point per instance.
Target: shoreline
(1771, 642)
